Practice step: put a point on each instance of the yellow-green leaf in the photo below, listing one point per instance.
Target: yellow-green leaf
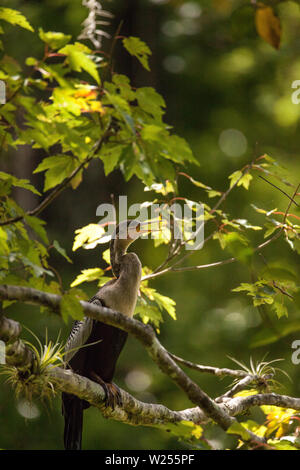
(15, 17)
(89, 234)
(139, 49)
(79, 59)
(88, 275)
(54, 39)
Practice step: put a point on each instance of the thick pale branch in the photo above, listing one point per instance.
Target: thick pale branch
(133, 412)
(144, 333)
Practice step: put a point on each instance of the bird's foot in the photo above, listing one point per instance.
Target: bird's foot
(113, 396)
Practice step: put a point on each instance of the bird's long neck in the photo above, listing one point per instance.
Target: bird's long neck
(122, 295)
(116, 254)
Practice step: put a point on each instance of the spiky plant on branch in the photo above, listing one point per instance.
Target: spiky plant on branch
(34, 380)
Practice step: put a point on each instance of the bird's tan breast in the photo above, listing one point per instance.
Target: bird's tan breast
(120, 297)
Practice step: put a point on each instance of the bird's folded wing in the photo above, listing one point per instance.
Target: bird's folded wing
(79, 335)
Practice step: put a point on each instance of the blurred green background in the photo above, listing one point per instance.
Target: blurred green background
(216, 75)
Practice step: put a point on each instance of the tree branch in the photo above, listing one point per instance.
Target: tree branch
(144, 333)
(210, 370)
(133, 411)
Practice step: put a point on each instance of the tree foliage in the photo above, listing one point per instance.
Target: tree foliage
(72, 105)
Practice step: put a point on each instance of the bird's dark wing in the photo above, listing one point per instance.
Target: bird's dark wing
(102, 346)
(76, 358)
(78, 336)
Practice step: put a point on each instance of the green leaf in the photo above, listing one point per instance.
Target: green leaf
(88, 275)
(14, 17)
(153, 132)
(58, 168)
(37, 225)
(61, 251)
(241, 179)
(201, 185)
(151, 101)
(129, 162)
(123, 84)
(138, 49)
(4, 249)
(148, 313)
(53, 39)
(212, 193)
(78, 59)
(166, 303)
(30, 61)
(70, 306)
(238, 246)
(123, 108)
(110, 155)
(184, 430)
(106, 256)
(280, 309)
(240, 430)
(162, 188)
(21, 183)
(163, 302)
(245, 180)
(282, 444)
(177, 149)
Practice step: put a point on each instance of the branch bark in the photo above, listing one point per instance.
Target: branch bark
(133, 411)
(144, 333)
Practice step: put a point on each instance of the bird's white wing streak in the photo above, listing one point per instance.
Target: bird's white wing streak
(79, 335)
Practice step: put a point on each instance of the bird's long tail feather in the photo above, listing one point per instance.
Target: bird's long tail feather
(73, 414)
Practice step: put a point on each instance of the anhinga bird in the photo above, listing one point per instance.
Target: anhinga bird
(97, 361)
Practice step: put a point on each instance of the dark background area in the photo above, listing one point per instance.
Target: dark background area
(215, 74)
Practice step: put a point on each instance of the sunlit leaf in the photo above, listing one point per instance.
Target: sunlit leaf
(136, 47)
(54, 39)
(15, 17)
(88, 234)
(78, 58)
(88, 275)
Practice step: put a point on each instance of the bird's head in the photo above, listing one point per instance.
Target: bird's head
(126, 233)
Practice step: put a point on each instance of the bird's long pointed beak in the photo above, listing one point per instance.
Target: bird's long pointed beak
(147, 227)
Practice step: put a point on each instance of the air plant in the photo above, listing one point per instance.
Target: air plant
(262, 371)
(35, 380)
